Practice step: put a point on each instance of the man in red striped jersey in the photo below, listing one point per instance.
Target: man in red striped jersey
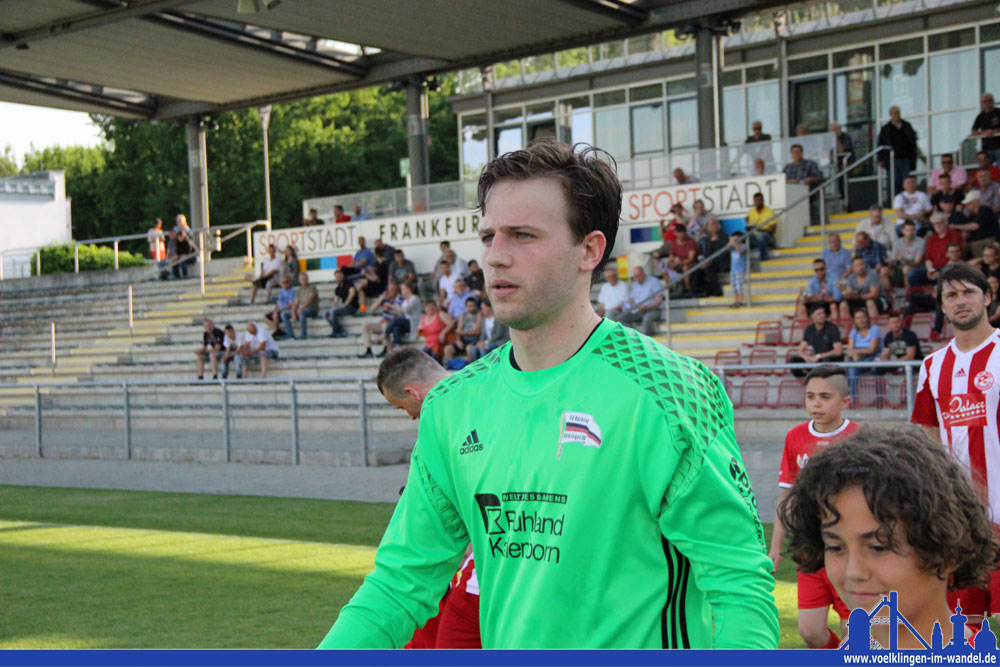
(958, 399)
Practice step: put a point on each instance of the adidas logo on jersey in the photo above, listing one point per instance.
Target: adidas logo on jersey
(960, 373)
(471, 444)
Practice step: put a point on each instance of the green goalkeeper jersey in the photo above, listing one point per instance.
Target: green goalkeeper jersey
(605, 499)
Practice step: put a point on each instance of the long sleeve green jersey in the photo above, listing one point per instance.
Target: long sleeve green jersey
(605, 498)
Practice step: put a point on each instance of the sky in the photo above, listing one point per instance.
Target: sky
(24, 125)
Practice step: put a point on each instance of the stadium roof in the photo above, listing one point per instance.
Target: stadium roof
(166, 59)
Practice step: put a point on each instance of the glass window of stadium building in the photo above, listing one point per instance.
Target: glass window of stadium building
(847, 62)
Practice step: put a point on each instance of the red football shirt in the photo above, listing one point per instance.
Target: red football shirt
(802, 442)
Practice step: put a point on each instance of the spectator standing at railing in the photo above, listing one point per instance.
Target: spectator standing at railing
(982, 228)
(313, 219)
(710, 243)
(680, 178)
(807, 173)
(945, 189)
(339, 215)
(643, 304)
(255, 344)
(844, 155)
(907, 255)
(837, 258)
(900, 136)
(958, 175)
(613, 293)
(759, 167)
(156, 238)
(912, 204)
(761, 225)
(983, 162)
(987, 126)
(359, 214)
(758, 147)
(820, 292)
(270, 274)
(185, 254)
(989, 191)
(875, 228)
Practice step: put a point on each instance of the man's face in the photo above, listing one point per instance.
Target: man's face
(459, 286)
(909, 231)
(713, 226)
(611, 275)
(981, 161)
(286, 283)
(445, 268)
(910, 185)
(819, 268)
(987, 102)
(963, 304)
(407, 401)
(946, 206)
(940, 226)
(835, 128)
(679, 174)
(400, 258)
(954, 254)
(757, 129)
(896, 325)
(862, 241)
(818, 317)
(990, 255)
(272, 251)
(470, 306)
(947, 162)
(338, 276)
(252, 329)
(699, 207)
(859, 266)
(796, 154)
(304, 279)
(313, 214)
(208, 325)
(639, 275)
(681, 234)
(758, 201)
(531, 261)
(361, 242)
(833, 240)
(982, 179)
(894, 113)
(450, 255)
(945, 182)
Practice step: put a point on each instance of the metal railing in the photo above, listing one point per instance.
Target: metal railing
(236, 229)
(126, 404)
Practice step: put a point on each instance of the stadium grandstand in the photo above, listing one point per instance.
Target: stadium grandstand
(692, 105)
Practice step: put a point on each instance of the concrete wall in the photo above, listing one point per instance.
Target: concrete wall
(34, 212)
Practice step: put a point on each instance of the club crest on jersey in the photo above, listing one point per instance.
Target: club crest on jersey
(983, 381)
(579, 428)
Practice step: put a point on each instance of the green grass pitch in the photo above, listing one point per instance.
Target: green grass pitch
(124, 569)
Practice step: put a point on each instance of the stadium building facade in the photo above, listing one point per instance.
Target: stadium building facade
(808, 64)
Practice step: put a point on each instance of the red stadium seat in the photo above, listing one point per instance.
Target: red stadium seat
(789, 393)
(753, 394)
(872, 392)
(798, 328)
(768, 333)
(921, 324)
(766, 355)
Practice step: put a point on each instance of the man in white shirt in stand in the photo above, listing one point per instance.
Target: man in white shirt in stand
(911, 204)
(613, 293)
(643, 304)
(270, 272)
(255, 343)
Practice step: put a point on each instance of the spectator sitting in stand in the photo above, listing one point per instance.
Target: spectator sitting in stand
(936, 251)
(402, 270)
(384, 310)
(987, 126)
(230, 348)
(989, 191)
(953, 213)
(494, 334)
(407, 322)
(363, 258)
(306, 305)
(912, 204)
(458, 265)
(761, 225)
(923, 301)
(290, 264)
(313, 219)
(864, 344)
(255, 344)
(878, 230)
(821, 292)
(683, 256)
(711, 243)
(759, 167)
(982, 228)
(837, 258)
(270, 274)
(873, 252)
(212, 348)
(900, 344)
(358, 213)
(429, 282)
(467, 327)
(338, 214)
(432, 326)
(983, 164)
(345, 302)
(475, 281)
(643, 304)
(446, 284)
(821, 343)
(699, 220)
(957, 175)
(613, 293)
(945, 189)
(374, 278)
(989, 262)
(283, 306)
(456, 304)
(862, 291)
(680, 178)
(157, 241)
(387, 250)
(907, 255)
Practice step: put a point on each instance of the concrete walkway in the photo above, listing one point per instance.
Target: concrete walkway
(373, 484)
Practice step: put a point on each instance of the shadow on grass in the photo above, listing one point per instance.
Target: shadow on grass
(128, 601)
(331, 521)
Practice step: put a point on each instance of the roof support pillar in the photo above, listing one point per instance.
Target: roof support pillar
(706, 47)
(198, 176)
(417, 133)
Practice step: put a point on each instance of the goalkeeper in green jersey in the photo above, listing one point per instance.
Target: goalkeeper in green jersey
(595, 472)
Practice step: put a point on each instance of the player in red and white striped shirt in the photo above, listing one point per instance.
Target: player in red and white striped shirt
(958, 399)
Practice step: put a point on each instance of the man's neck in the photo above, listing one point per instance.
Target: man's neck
(828, 428)
(973, 338)
(557, 340)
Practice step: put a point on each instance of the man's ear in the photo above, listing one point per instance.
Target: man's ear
(594, 245)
